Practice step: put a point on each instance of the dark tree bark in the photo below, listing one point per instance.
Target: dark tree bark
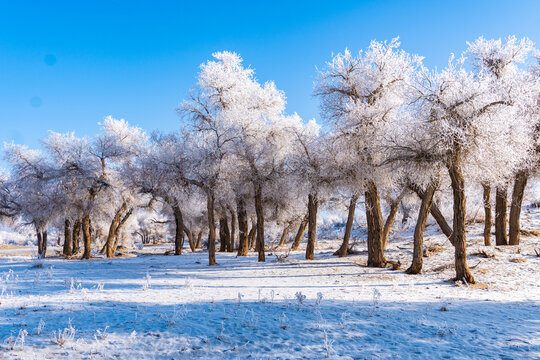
(436, 213)
(313, 205)
(300, 233)
(394, 207)
(39, 241)
(487, 214)
(67, 238)
(515, 208)
(191, 241)
(427, 201)
(44, 238)
(458, 232)
(199, 237)
(87, 239)
(76, 236)
(375, 226)
(179, 230)
(232, 238)
(342, 251)
(500, 216)
(211, 228)
(284, 235)
(243, 244)
(260, 221)
(224, 234)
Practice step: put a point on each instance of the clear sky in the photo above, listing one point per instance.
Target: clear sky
(65, 65)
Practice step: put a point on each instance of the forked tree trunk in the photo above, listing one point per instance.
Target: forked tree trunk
(436, 213)
(342, 251)
(500, 216)
(243, 243)
(300, 233)
(232, 236)
(112, 231)
(260, 221)
(87, 240)
(211, 228)
(224, 234)
(515, 207)
(394, 207)
(191, 241)
(179, 230)
(487, 214)
(76, 236)
(119, 227)
(199, 237)
(67, 238)
(427, 201)
(313, 205)
(284, 235)
(375, 227)
(458, 232)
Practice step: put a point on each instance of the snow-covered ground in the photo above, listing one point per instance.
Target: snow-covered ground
(166, 307)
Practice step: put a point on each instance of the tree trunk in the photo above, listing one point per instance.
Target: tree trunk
(199, 237)
(39, 241)
(313, 204)
(260, 221)
(394, 207)
(252, 234)
(284, 235)
(224, 234)
(500, 216)
(119, 227)
(67, 238)
(87, 240)
(436, 213)
(112, 231)
(179, 230)
(458, 232)
(515, 207)
(375, 227)
(243, 243)
(76, 236)
(232, 235)
(300, 234)
(44, 244)
(487, 214)
(427, 201)
(211, 228)
(191, 241)
(342, 251)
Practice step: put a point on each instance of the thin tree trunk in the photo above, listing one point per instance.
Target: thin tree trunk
(436, 213)
(199, 237)
(375, 227)
(458, 233)
(87, 240)
(179, 230)
(112, 230)
(284, 235)
(300, 233)
(313, 204)
(211, 228)
(342, 251)
(191, 241)
(500, 216)
(427, 200)
(76, 236)
(119, 227)
(232, 234)
(67, 238)
(260, 221)
(44, 245)
(394, 207)
(487, 214)
(252, 234)
(515, 207)
(243, 243)
(224, 234)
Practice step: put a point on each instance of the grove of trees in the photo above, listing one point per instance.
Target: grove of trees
(243, 170)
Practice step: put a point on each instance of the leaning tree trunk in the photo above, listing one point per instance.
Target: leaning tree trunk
(232, 234)
(394, 207)
(342, 251)
(300, 233)
(487, 214)
(243, 243)
(224, 234)
(427, 201)
(211, 228)
(515, 207)
(119, 227)
(67, 238)
(191, 241)
(179, 230)
(199, 237)
(112, 231)
(87, 239)
(284, 236)
(436, 213)
(458, 233)
(76, 236)
(260, 221)
(252, 234)
(375, 227)
(313, 205)
(500, 216)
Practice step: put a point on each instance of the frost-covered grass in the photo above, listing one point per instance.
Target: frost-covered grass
(167, 307)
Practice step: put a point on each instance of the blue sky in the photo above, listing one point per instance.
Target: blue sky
(64, 66)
